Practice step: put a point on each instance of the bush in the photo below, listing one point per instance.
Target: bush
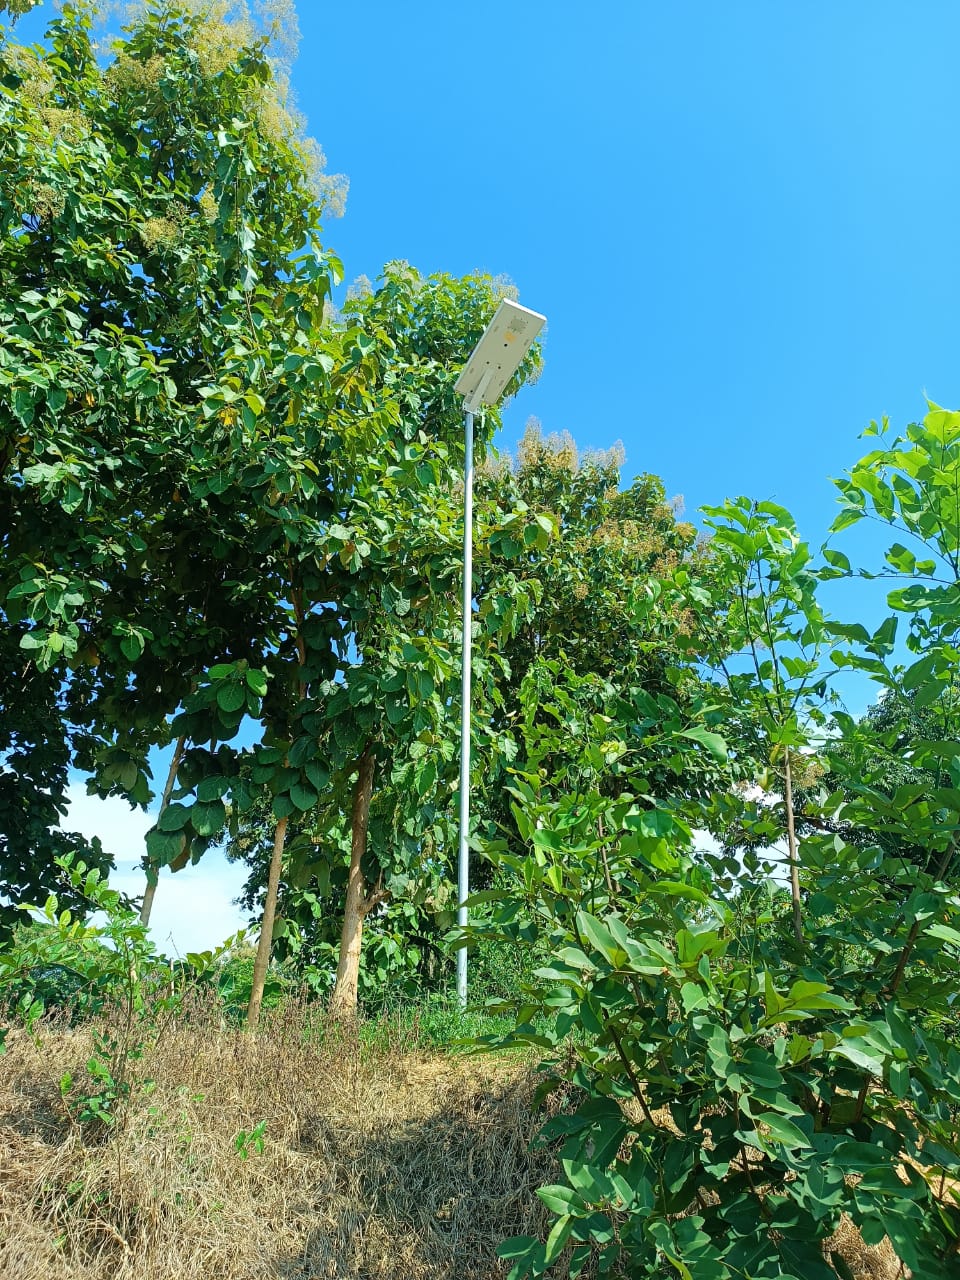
(56, 964)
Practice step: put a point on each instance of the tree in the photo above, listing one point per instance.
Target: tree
(381, 722)
(763, 1069)
(154, 216)
(584, 601)
(587, 581)
(559, 549)
(34, 761)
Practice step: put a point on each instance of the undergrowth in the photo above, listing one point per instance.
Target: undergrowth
(306, 1150)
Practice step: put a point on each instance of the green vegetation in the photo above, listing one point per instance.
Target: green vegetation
(228, 528)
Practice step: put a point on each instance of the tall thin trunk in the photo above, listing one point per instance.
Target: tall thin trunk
(153, 872)
(265, 941)
(792, 850)
(262, 962)
(343, 1001)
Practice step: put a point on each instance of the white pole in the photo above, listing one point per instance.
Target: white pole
(463, 862)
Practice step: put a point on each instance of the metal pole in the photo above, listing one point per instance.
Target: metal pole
(463, 861)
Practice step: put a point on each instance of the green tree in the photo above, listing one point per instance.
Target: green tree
(159, 235)
(380, 830)
(587, 582)
(760, 1074)
(35, 754)
(588, 599)
(558, 549)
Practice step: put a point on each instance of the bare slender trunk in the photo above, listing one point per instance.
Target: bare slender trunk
(262, 961)
(153, 872)
(265, 941)
(343, 1001)
(792, 850)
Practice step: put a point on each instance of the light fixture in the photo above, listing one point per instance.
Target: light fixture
(496, 357)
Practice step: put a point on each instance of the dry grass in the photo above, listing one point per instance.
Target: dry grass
(374, 1165)
(378, 1164)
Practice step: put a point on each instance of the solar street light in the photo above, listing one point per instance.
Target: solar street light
(495, 359)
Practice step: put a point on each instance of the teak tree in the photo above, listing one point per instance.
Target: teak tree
(159, 248)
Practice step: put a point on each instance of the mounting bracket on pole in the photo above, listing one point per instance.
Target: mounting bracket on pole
(473, 401)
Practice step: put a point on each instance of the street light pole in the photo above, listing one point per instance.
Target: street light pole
(495, 359)
(463, 860)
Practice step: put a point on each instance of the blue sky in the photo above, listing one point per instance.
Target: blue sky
(740, 219)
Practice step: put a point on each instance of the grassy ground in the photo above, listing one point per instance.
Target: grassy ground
(376, 1156)
(376, 1160)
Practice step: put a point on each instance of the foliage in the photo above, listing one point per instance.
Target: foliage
(160, 256)
(17, 8)
(250, 1140)
(232, 976)
(741, 1086)
(556, 543)
(586, 585)
(35, 752)
(227, 518)
(374, 732)
(112, 966)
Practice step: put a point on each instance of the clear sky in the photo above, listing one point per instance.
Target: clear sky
(740, 218)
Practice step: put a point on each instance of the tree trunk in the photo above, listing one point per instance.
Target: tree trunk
(265, 941)
(792, 850)
(343, 1001)
(153, 872)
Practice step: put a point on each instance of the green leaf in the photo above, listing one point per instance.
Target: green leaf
(600, 937)
(164, 846)
(131, 646)
(318, 773)
(714, 743)
(558, 1237)
(899, 1077)
(860, 1053)
(837, 559)
(692, 997)
(257, 682)
(208, 818)
(562, 1200)
(783, 1130)
(527, 1255)
(944, 933)
(805, 1259)
(174, 818)
(425, 776)
(303, 797)
(231, 696)
(213, 788)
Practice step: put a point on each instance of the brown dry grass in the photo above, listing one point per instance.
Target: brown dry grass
(376, 1164)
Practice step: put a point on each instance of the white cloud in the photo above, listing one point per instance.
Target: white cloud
(194, 909)
(121, 828)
